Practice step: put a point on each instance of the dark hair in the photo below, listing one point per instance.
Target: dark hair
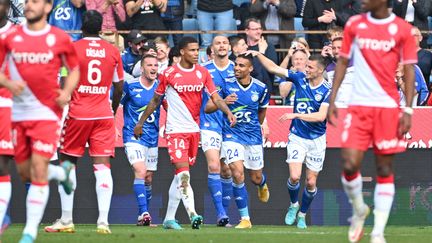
(389, 3)
(321, 61)
(247, 22)
(247, 57)
(174, 52)
(7, 2)
(234, 40)
(185, 41)
(209, 51)
(91, 22)
(147, 56)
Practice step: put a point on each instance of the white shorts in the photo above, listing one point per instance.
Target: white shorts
(210, 140)
(251, 155)
(309, 151)
(138, 153)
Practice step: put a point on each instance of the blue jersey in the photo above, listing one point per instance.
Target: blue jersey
(308, 100)
(214, 121)
(66, 16)
(247, 130)
(134, 100)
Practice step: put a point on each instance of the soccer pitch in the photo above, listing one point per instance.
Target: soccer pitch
(213, 234)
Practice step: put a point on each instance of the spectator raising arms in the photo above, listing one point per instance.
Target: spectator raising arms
(146, 14)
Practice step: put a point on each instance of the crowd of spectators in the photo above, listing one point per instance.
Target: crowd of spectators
(250, 18)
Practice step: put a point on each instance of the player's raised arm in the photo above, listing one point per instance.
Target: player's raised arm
(220, 103)
(151, 107)
(268, 64)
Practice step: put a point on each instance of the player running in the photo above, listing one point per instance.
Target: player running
(142, 153)
(377, 41)
(183, 85)
(219, 181)
(34, 53)
(90, 119)
(248, 99)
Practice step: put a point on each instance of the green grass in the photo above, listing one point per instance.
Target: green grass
(212, 234)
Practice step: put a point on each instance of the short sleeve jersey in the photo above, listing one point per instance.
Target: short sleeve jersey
(135, 100)
(308, 99)
(5, 94)
(214, 121)
(250, 100)
(377, 46)
(36, 58)
(100, 66)
(183, 91)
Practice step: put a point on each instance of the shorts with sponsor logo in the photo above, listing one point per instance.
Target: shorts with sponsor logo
(308, 151)
(251, 155)
(40, 137)
(99, 134)
(6, 145)
(210, 140)
(183, 147)
(379, 126)
(136, 152)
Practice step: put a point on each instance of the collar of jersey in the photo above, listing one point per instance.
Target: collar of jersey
(221, 69)
(185, 69)
(91, 38)
(380, 21)
(43, 31)
(245, 88)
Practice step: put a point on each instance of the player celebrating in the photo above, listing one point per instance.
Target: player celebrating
(35, 52)
(307, 139)
(242, 145)
(6, 146)
(182, 85)
(372, 39)
(221, 69)
(90, 119)
(142, 153)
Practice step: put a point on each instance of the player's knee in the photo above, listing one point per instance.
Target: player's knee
(4, 168)
(256, 178)
(238, 176)
(148, 178)
(349, 165)
(384, 170)
(310, 184)
(225, 172)
(294, 179)
(213, 167)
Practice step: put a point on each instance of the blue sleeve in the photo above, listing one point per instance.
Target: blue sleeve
(294, 77)
(421, 87)
(125, 95)
(223, 92)
(124, 62)
(265, 98)
(327, 97)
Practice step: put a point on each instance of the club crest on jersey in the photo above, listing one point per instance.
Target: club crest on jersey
(393, 29)
(18, 38)
(178, 153)
(254, 96)
(199, 74)
(318, 97)
(50, 40)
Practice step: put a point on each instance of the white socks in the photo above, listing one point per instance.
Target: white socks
(104, 190)
(67, 201)
(56, 172)
(186, 192)
(37, 198)
(353, 189)
(383, 200)
(5, 195)
(174, 199)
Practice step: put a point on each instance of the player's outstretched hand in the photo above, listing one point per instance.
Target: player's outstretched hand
(16, 87)
(287, 116)
(138, 131)
(232, 120)
(63, 98)
(404, 124)
(332, 114)
(231, 99)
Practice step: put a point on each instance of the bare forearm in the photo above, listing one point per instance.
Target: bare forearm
(161, 5)
(340, 70)
(220, 103)
(262, 115)
(71, 81)
(270, 66)
(151, 107)
(118, 90)
(311, 117)
(210, 107)
(409, 84)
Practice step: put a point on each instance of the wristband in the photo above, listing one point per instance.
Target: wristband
(408, 110)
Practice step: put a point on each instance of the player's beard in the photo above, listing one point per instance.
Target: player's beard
(35, 19)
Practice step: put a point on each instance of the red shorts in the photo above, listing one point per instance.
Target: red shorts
(100, 135)
(376, 125)
(40, 137)
(183, 147)
(6, 145)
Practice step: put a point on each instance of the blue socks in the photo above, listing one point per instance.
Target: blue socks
(227, 192)
(241, 199)
(307, 199)
(148, 189)
(140, 194)
(293, 191)
(215, 188)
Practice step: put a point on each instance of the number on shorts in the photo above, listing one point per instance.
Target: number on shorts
(214, 141)
(295, 154)
(139, 154)
(93, 68)
(179, 143)
(231, 155)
